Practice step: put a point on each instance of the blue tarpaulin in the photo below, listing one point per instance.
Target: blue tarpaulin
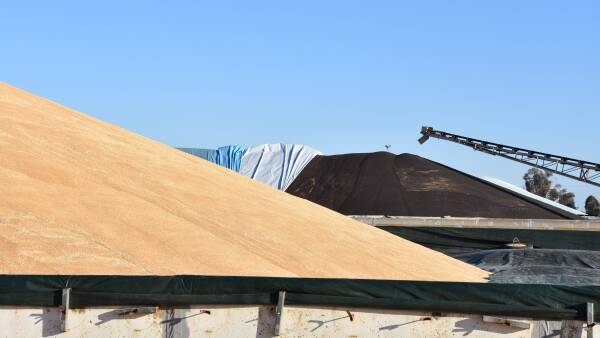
(206, 154)
(274, 164)
(229, 157)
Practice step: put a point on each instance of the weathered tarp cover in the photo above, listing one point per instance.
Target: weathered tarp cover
(276, 164)
(207, 154)
(518, 300)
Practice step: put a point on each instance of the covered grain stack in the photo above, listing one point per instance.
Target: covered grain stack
(382, 183)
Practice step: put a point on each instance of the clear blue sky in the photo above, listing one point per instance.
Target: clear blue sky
(341, 76)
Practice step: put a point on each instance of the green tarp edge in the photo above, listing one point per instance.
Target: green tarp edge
(447, 238)
(516, 300)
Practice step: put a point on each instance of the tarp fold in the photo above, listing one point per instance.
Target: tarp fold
(277, 165)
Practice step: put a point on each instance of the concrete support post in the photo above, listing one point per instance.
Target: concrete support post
(590, 320)
(279, 312)
(64, 309)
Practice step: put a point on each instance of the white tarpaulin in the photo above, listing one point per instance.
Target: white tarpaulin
(276, 164)
(533, 196)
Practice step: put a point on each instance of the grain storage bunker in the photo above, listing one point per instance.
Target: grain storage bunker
(107, 233)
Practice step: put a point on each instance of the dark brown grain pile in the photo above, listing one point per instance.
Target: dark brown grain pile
(382, 183)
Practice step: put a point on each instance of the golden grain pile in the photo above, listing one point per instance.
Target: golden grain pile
(80, 196)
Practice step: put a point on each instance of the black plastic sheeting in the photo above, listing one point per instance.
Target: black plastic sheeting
(457, 240)
(519, 300)
(552, 257)
(540, 266)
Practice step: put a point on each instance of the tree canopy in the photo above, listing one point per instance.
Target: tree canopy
(592, 206)
(538, 182)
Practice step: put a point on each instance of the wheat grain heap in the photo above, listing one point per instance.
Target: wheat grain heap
(80, 196)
